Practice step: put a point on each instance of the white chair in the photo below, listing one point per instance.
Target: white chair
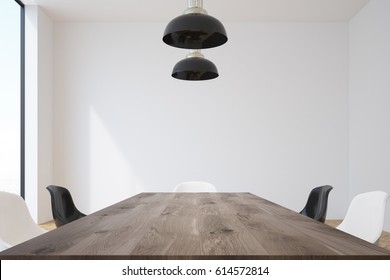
(16, 223)
(195, 186)
(4, 245)
(365, 216)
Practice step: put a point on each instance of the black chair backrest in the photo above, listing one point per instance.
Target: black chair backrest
(317, 203)
(62, 205)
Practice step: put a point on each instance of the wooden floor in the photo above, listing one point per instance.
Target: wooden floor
(50, 225)
(384, 241)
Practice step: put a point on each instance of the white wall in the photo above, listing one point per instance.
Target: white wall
(39, 112)
(45, 115)
(370, 101)
(274, 123)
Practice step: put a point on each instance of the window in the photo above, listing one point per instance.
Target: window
(11, 96)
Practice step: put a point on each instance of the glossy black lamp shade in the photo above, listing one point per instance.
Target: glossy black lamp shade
(195, 31)
(195, 69)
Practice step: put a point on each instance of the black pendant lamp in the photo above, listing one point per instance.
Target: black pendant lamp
(195, 29)
(195, 68)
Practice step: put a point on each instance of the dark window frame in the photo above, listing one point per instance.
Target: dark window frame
(22, 98)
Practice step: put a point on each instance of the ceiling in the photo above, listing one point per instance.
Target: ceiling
(225, 10)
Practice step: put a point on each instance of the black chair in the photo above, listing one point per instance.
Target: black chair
(62, 206)
(317, 203)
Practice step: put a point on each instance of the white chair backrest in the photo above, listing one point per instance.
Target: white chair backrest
(365, 216)
(16, 223)
(4, 245)
(195, 186)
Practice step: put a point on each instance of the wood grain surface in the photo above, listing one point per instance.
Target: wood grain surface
(195, 226)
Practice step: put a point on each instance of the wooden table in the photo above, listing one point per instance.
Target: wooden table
(195, 226)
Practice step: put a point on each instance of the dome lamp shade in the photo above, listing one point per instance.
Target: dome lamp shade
(195, 29)
(195, 68)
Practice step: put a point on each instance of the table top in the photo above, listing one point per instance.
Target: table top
(195, 226)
